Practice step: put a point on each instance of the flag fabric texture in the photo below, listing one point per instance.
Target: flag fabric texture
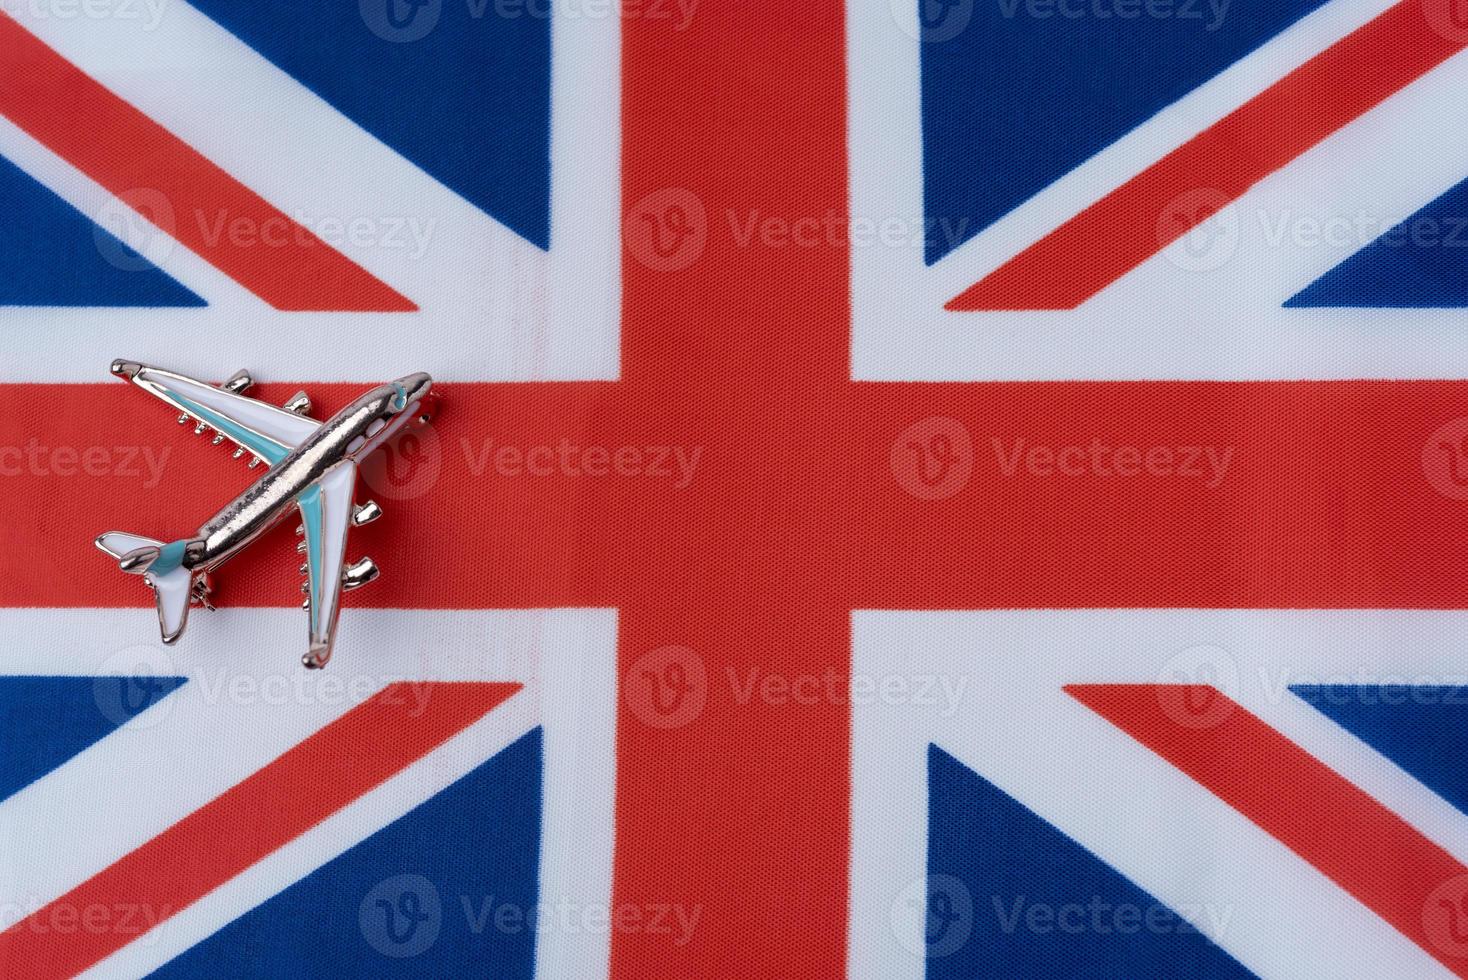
(923, 488)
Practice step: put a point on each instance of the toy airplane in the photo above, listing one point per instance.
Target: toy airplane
(312, 468)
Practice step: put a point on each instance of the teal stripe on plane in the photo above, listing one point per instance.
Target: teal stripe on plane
(311, 517)
(170, 556)
(267, 449)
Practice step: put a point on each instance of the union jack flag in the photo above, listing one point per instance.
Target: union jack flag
(928, 488)
(1166, 792)
(1170, 189)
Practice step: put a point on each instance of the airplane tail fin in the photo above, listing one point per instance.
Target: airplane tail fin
(162, 567)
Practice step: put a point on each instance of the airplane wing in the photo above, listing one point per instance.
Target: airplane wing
(268, 432)
(117, 544)
(326, 513)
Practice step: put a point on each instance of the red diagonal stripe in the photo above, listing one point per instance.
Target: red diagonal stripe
(1137, 220)
(340, 763)
(125, 151)
(1359, 844)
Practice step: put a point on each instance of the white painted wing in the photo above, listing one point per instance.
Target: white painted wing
(119, 543)
(326, 512)
(268, 432)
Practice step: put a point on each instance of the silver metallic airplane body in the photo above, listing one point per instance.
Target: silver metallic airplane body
(312, 470)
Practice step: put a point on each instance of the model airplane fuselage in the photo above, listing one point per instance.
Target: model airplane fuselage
(312, 470)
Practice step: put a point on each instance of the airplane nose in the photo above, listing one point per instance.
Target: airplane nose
(126, 369)
(416, 385)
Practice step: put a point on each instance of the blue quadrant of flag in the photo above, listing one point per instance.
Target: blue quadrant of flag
(463, 90)
(450, 889)
(1017, 98)
(45, 721)
(51, 254)
(1422, 728)
(1421, 263)
(1010, 895)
